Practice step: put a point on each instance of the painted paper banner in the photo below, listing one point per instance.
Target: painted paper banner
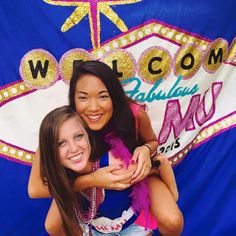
(177, 57)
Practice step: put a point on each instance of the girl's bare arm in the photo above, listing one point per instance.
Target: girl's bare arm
(36, 187)
(143, 153)
(103, 178)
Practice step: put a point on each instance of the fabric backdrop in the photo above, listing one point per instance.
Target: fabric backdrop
(178, 57)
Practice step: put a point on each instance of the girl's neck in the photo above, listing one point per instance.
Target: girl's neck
(106, 129)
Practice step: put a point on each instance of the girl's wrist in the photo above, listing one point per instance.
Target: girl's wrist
(149, 148)
(152, 154)
(93, 180)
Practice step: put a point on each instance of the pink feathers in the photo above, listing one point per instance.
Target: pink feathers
(140, 192)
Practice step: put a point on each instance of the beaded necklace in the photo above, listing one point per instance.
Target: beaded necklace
(94, 197)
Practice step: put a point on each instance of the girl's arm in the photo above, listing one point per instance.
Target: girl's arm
(104, 178)
(53, 222)
(146, 132)
(36, 187)
(143, 153)
(167, 175)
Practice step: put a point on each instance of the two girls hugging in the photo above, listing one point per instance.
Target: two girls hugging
(97, 160)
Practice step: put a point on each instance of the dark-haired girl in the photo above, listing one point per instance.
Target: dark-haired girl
(97, 95)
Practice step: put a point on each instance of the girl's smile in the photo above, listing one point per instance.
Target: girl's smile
(93, 102)
(74, 147)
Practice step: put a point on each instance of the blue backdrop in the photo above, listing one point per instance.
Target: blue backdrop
(205, 177)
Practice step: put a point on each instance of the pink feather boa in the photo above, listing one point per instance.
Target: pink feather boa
(139, 192)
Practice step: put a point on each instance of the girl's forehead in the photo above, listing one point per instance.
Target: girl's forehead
(81, 124)
(90, 81)
(73, 123)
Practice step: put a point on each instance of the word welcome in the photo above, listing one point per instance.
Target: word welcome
(40, 69)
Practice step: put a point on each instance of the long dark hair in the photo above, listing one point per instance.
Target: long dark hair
(122, 121)
(58, 178)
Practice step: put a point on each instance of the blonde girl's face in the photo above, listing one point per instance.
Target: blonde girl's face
(93, 101)
(74, 147)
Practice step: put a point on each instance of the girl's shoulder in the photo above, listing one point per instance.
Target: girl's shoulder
(135, 107)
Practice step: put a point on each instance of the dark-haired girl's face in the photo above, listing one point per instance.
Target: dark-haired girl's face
(93, 101)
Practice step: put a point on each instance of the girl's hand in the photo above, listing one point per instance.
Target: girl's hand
(141, 156)
(107, 179)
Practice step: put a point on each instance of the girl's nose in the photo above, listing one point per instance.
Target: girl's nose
(93, 105)
(73, 147)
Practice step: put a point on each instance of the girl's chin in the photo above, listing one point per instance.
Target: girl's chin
(78, 167)
(95, 127)
(82, 169)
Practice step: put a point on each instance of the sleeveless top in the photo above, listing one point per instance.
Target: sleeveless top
(115, 205)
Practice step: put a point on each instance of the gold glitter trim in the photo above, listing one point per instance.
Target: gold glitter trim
(16, 153)
(215, 128)
(203, 135)
(13, 91)
(151, 29)
(232, 52)
(174, 160)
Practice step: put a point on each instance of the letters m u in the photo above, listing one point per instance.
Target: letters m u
(173, 118)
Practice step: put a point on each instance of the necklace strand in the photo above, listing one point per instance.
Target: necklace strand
(94, 202)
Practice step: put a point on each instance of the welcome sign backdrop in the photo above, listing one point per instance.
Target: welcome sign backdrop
(178, 57)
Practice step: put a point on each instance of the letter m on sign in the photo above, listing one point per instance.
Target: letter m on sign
(173, 118)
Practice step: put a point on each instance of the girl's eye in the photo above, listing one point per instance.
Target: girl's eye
(61, 143)
(79, 136)
(104, 97)
(82, 98)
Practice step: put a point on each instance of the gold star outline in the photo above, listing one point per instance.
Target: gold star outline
(92, 8)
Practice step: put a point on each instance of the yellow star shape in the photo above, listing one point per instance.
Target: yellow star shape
(93, 8)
